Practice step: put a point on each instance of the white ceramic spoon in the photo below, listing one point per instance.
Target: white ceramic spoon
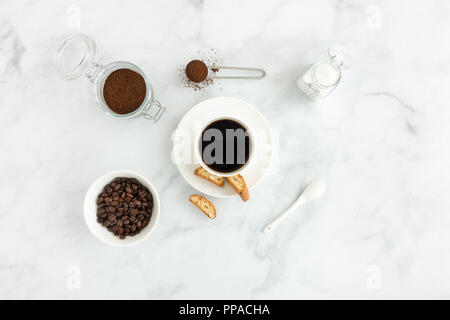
(312, 191)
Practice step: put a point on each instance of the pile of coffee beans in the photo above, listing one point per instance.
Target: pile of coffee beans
(124, 207)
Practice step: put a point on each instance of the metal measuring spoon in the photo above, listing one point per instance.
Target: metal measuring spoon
(198, 71)
(260, 73)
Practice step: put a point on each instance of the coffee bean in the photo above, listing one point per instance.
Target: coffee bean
(124, 207)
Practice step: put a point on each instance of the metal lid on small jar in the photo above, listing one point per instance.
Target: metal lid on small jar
(75, 56)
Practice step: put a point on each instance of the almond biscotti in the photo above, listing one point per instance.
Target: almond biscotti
(203, 204)
(239, 185)
(203, 173)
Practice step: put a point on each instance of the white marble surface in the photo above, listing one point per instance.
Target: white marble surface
(380, 141)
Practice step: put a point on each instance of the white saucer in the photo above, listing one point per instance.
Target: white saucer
(201, 114)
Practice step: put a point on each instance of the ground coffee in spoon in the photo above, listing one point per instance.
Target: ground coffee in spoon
(124, 91)
(195, 75)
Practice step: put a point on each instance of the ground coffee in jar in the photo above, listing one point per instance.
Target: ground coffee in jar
(124, 91)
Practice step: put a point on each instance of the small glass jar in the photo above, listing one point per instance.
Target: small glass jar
(76, 58)
(323, 76)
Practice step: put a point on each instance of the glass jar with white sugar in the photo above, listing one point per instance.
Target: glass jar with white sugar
(323, 76)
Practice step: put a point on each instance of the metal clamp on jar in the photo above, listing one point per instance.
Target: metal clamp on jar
(76, 58)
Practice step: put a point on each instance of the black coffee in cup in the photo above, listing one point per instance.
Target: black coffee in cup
(225, 145)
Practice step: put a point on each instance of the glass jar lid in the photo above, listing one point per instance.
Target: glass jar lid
(75, 56)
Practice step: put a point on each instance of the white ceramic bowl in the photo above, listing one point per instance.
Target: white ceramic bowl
(90, 210)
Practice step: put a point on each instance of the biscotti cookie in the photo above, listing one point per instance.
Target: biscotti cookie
(203, 173)
(203, 204)
(239, 185)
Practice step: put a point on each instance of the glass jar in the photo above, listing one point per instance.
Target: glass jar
(323, 76)
(76, 58)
